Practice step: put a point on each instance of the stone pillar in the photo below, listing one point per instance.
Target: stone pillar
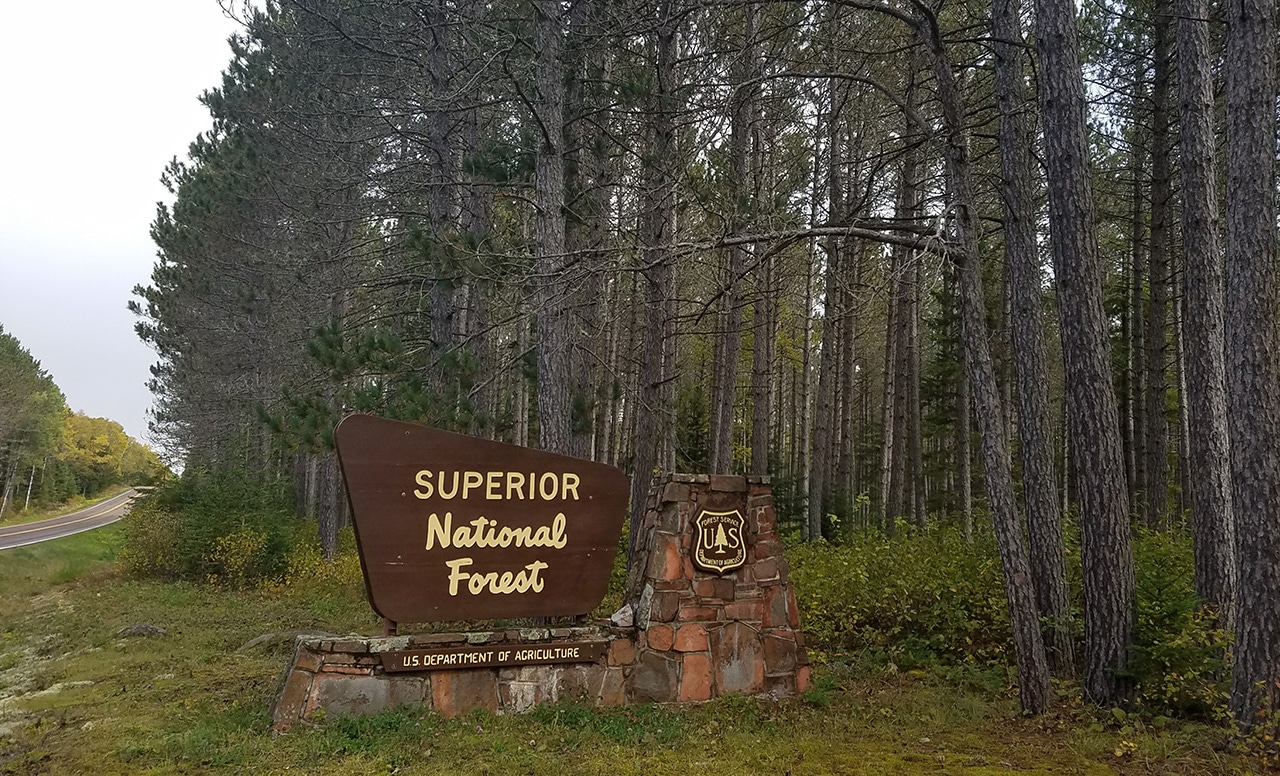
(704, 634)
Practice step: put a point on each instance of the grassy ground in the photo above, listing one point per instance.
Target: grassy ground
(12, 517)
(77, 697)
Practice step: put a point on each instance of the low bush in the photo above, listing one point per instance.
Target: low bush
(220, 528)
(306, 566)
(239, 558)
(915, 599)
(1180, 655)
(934, 599)
(153, 535)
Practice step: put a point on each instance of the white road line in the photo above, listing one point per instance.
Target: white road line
(56, 523)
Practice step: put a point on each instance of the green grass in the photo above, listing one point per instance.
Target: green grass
(75, 697)
(38, 568)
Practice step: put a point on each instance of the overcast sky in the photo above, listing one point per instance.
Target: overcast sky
(97, 97)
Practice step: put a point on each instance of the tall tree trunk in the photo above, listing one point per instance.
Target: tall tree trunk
(1036, 450)
(312, 507)
(963, 446)
(1033, 670)
(898, 345)
(900, 490)
(724, 378)
(915, 432)
(1092, 422)
(555, 348)
(522, 399)
(475, 219)
(328, 503)
(31, 478)
(606, 423)
(1183, 471)
(904, 356)
(851, 271)
(1213, 524)
(1136, 375)
(670, 341)
(658, 271)
(1158, 304)
(820, 463)
(762, 359)
(729, 337)
(440, 188)
(786, 385)
(804, 462)
(1252, 336)
(587, 187)
(298, 473)
(888, 420)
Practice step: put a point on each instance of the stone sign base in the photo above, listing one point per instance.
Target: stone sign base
(346, 676)
(695, 635)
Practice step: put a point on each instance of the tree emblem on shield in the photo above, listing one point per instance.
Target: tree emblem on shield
(719, 544)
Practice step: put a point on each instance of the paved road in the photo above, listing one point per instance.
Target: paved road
(96, 516)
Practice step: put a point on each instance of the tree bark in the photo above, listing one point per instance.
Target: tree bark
(851, 279)
(1036, 448)
(762, 359)
(899, 346)
(804, 464)
(1092, 422)
(1033, 670)
(1158, 305)
(820, 463)
(724, 379)
(658, 270)
(1135, 377)
(31, 478)
(1212, 521)
(1252, 334)
(915, 431)
(328, 503)
(963, 445)
(555, 348)
(888, 419)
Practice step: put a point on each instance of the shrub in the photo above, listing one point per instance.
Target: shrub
(918, 598)
(1179, 652)
(238, 558)
(152, 538)
(222, 528)
(933, 598)
(307, 568)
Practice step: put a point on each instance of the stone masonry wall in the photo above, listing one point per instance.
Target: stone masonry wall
(344, 676)
(694, 635)
(702, 635)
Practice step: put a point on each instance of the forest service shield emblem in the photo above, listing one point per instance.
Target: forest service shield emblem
(719, 544)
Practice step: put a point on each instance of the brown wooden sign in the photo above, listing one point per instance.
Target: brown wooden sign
(451, 527)
(493, 655)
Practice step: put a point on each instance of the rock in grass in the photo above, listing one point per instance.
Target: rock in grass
(141, 629)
